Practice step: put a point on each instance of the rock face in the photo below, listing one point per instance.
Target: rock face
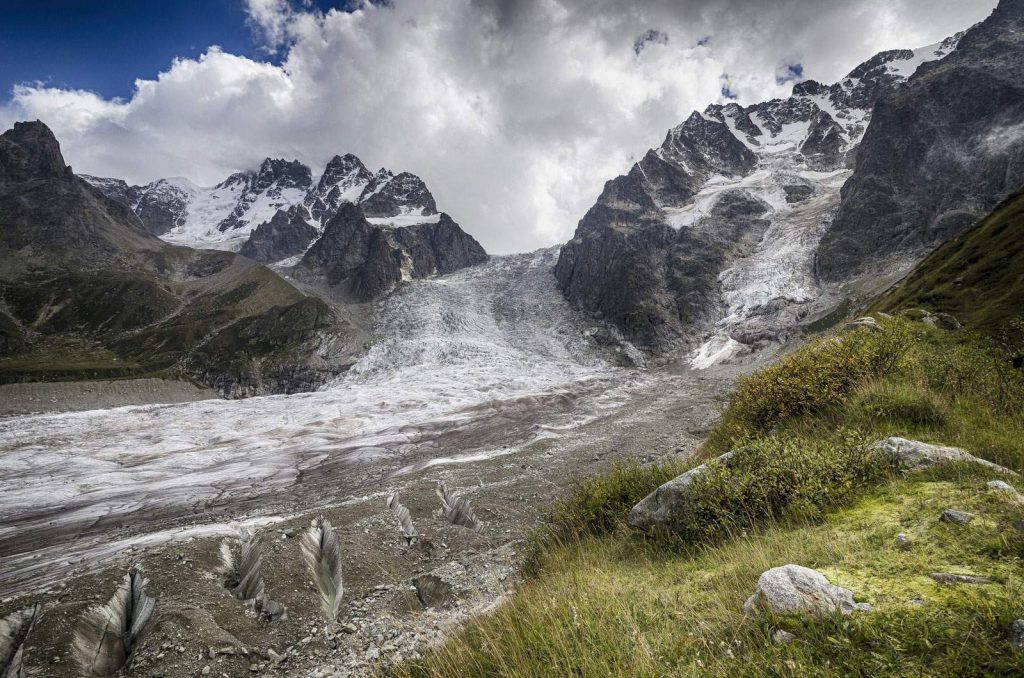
(793, 588)
(288, 233)
(644, 255)
(662, 507)
(365, 260)
(941, 151)
(84, 282)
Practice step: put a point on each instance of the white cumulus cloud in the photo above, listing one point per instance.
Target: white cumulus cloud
(515, 112)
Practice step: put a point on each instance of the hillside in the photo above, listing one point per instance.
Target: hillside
(928, 592)
(86, 292)
(978, 277)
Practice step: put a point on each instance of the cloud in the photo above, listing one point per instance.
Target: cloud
(515, 112)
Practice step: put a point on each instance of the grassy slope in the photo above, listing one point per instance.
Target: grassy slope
(978, 277)
(600, 600)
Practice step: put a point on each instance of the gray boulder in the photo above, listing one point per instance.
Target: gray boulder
(662, 507)
(793, 588)
(915, 455)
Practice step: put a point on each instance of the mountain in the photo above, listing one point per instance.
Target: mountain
(364, 258)
(226, 215)
(88, 291)
(712, 239)
(940, 153)
(978, 276)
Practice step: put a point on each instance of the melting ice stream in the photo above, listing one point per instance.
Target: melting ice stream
(465, 367)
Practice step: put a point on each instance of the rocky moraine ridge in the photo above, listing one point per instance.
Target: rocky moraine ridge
(391, 230)
(751, 222)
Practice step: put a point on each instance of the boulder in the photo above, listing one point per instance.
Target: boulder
(794, 588)
(663, 505)
(915, 455)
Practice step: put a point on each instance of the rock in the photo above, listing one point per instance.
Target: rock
(915, 455)
(365, 261)
(956, 517)
(945, 321)
(432, 591)
(902, 541)
(917, 602)
(794, 588)
(661, 506)
(1017, 634)
(287, 233)
(947, 578)
(1001, 486)
(781, 637)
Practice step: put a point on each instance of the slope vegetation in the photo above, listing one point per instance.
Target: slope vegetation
(978, 277)
(599, 598)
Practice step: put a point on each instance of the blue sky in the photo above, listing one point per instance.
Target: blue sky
(104, 45)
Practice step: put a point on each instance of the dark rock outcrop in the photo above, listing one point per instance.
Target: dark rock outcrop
(365, 261)
(941, 151)
(403, 193)
(287, 234)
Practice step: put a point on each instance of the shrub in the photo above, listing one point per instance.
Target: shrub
(777, 478)
(900, 403)
(820, 375)
(600, 504)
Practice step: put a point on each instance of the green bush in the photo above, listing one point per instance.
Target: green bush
(600, 504)
(777, 478)
(900, 403)
(820, 375)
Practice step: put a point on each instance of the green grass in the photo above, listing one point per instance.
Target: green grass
(978, 277)
(601, 599)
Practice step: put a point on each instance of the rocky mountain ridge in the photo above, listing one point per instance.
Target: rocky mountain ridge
(710, 240)
(225, 215)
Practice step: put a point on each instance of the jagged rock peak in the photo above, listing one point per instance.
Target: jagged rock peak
(29, 150)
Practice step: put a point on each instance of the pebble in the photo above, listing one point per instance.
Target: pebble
(782, 637)
(957, 517)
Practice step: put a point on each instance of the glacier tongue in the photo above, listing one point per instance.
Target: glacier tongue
(466, 366)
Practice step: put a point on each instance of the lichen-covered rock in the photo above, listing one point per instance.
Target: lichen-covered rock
(662, 507)
(915, 455)
(947, 578)
(794, 588)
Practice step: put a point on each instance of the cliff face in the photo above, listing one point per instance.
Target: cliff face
(747, 222)
(365, 260)
(941, 151)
